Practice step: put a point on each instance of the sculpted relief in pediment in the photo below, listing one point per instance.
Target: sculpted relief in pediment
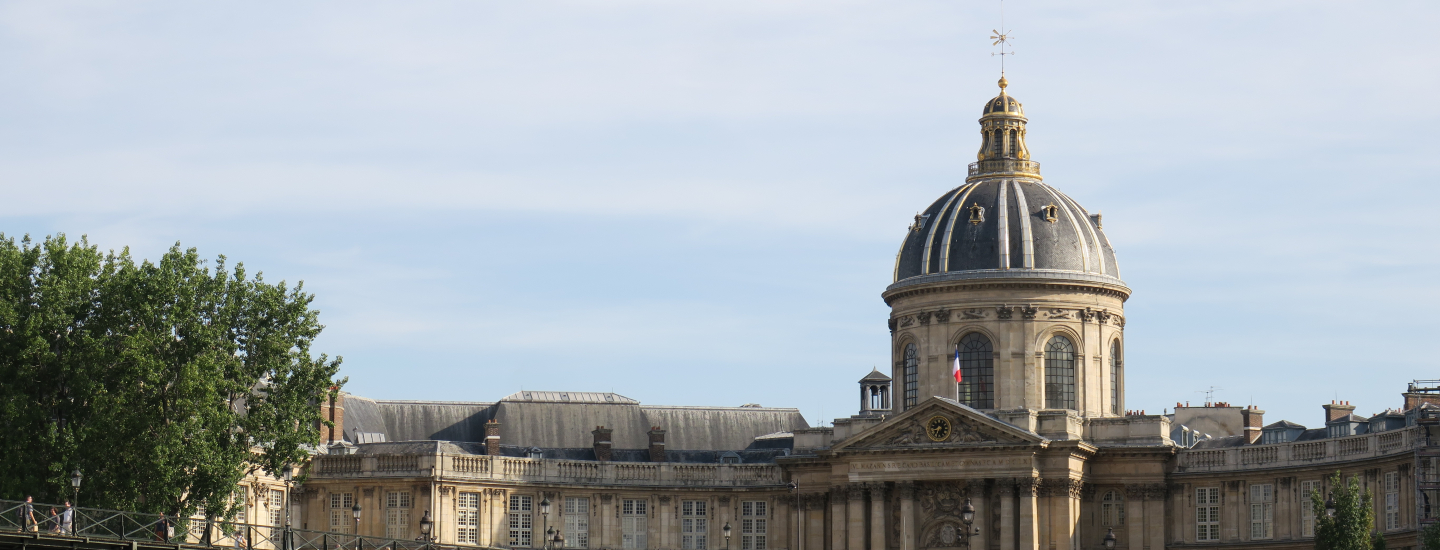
(936, 429)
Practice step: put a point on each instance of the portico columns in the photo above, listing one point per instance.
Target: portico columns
(1134, 516)
(907, 514)
(877, 516)
(838, 522)
(855, 517)
(1029, 529)
(982, 514)
(1006, 488)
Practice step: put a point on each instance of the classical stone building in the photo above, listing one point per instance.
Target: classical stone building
(1004, 279)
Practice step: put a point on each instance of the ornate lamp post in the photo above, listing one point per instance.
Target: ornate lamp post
(967, 516)
(559, 540)
(1330, 507)
(545, 519)
(1109, 541)
(288, 474)
(426, 525)
(726, 531)
(75, 479)
(355, 511)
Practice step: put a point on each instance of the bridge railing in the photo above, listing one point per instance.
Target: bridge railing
(120, 525)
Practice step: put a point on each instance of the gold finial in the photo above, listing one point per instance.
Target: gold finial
(1001, 39)
(1003, 83)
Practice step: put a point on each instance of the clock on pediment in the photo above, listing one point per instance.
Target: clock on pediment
(938, 428)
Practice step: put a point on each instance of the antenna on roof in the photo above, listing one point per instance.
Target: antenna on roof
(1209, 393)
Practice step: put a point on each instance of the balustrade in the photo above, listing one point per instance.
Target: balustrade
(1296, 454)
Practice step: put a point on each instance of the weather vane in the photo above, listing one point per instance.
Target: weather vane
(1002, 39)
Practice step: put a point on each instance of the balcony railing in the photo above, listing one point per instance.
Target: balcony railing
(1004, 166)
(87, 526)
(504, 468)
(1283, 455)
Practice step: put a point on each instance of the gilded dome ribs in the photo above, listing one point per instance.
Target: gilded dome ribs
(1004, 210)
(1027, 239)
(950, 228)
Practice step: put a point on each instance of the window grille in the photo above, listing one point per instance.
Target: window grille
(467, 518)
(753, 524)
(521, 507)
(1059, 374)
(275, 505)
(341, 521)
(1112, 509)
(1262, 512)
(1307, 507)
(977, 371)
(1116, 363)
(577, 522)
(633, 524)
(1207, 514)
(912, 368)
(1392, 500)
(397, 515)
(694, 525)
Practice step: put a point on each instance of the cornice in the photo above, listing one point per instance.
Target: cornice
(939, 282)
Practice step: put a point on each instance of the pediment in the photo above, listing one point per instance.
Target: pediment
(937, 423)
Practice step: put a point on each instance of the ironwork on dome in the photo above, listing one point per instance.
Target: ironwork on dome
(1005, 221)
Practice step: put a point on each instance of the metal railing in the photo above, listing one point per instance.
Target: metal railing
(97, 523)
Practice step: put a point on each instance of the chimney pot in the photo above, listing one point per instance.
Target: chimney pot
(657, 444)
(492, 437)
(603, 445)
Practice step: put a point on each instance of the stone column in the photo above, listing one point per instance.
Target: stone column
(1155, 513)
(906, 490)
(607, 526)
(982, 515)
(1134, 516)
(838, 521)
(1029, 538)
(855, 517)
(1006, 489)
(664, 514)
(815, 516)
(877, 516)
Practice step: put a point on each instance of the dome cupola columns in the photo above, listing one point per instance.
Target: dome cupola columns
(1002, 149)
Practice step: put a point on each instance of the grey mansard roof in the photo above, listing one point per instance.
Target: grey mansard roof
(1010, 236)
(550, 423)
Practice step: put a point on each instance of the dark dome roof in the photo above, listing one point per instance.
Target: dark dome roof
(1004, 104)
(1006, 228)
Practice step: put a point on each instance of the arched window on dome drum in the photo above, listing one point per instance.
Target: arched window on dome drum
(912, 367)
(1116, 363)
(977, 371)
(1112, 509)
(1060, 373)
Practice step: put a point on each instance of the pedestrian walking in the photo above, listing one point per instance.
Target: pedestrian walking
(67, 520)
(27, 516)
(163, 530)
(52, 523)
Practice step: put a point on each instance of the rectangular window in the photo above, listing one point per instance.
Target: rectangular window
(341, 521)
(520, 520)
(753, 524)
(1262, 512)
(1112, 510)
(1392, 500)
(397, 515)
(633, 524)
(467, 518)
(1307, 507)
(1207, 514)
(694, 525)
(577, 522)
(275, 506)
(911, 368)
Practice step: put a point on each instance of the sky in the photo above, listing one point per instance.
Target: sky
(699, 203)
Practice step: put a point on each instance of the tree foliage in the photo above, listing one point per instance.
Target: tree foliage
(164, 383)
(1430, 537)
(1354, 517)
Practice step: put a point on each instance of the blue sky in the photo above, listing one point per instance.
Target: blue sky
(700, 202)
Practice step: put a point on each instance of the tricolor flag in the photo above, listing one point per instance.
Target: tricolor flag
(956, 369)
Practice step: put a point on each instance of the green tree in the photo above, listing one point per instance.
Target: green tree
(165, 383)
(1430, 537)
(1350, 527)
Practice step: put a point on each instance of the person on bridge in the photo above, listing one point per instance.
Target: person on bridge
(27, 516)
(67, 520)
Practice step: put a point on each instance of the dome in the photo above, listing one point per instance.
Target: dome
(1005, 222)
(1006, 228)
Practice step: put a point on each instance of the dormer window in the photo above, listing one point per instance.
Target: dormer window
(977, 214)
(1051, 213)
(730, 457)
(535, 453)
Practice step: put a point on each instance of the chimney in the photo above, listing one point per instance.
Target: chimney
(602, 443)
(1253, 419)
(657, 444)
(492, 438)
(1338, 409)
(334, 411)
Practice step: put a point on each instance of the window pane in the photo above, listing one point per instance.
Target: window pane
(1060, 374)
(977, 371)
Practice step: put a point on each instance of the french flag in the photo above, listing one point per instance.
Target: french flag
(955, 371)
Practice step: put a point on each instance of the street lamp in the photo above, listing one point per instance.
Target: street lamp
(1109, 541)
(426, 524)
(545, 518)
(75, 479)
(559, 540)
(967, 515)
(288, 474)
(355, 511)
(549, 536)
(726, 530)
(1330, 507)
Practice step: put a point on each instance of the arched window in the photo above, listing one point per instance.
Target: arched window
(1060, 373)
(977, 371)
(1112, 510)
(1116, 363)
(912, 366)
